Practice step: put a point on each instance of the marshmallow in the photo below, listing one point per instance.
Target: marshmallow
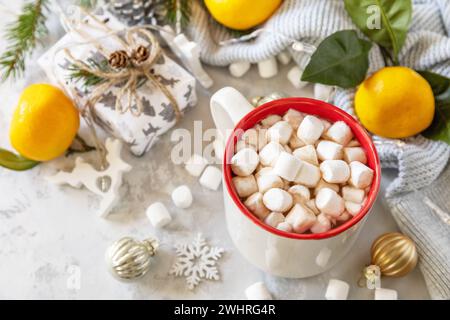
(385, 294)
(287, 166)
(337, 290)
(270, 120)
(329, 202)
(294, 118)
(326, 126)
(361, 175)
(195, 165)
(262, 138)
(300, 218)
(352, 208)
(321, 225)
(238, 69)
(255, 137)
(255, 204)
(245, 186)
(280, 132)
(335, 171)
(277, 199)
(340, 133)
(182, 197)
(295, 142)
(284, 226)
(274, 219)
(345, 216)
(307, 153)
(323, 92)
(158, 215)
(328, 150)
(295, 78)
(310, 129)
(353, 143)
(261, 170)
(323, 184)
(323, 257)
(258, 291)
(268, 68)
(308, 175)
(287, 184)
(353, 194)
(250, 137)
(244, 162)
(311, 204)
(299, 193)
(211, 178)
(241, 144)
(269, 154)
(355, 154)
(266, 181)
(287, 149)
(284, 57)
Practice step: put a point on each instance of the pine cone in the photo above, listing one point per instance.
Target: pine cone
(141, 54)
(119, 59)
(139, 11)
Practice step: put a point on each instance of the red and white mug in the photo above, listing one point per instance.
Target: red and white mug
(274, 251)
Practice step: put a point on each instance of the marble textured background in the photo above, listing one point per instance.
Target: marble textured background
(49, 234)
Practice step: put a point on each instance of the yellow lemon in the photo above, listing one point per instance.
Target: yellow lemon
(44, 123)
(241, 14)
(395, 102)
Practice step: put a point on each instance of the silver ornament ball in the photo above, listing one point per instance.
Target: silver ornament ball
(129, 259)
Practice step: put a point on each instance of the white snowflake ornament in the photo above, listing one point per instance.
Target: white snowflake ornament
(196, 261)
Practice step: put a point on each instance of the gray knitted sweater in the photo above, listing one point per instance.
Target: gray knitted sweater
(417, 201)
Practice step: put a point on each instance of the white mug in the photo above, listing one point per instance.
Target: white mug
(274, 251)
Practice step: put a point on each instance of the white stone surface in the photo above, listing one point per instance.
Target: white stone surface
(53, 244)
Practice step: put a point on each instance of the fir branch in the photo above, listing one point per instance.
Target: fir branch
(23, 36)
(181, 6)
(86, 77)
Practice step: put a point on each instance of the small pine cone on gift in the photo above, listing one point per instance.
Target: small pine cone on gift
(141, 54)
(119, 59)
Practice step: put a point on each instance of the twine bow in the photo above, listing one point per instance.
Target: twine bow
(128, 66)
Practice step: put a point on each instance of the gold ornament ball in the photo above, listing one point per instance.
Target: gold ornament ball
(395, 254)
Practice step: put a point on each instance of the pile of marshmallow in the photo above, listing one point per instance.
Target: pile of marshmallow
(269, 68)
(209, 176)
(299, 173)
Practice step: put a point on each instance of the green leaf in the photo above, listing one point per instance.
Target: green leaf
(385, 22)
(440, 127)
(341, 60)
(15, 162)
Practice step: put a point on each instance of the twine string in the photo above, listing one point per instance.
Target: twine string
(129, 75)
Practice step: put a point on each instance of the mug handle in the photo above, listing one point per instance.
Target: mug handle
(228, 107)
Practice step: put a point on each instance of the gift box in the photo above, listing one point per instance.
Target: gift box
(157, 113)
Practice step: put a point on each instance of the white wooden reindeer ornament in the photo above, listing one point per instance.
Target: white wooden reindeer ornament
(104, 183)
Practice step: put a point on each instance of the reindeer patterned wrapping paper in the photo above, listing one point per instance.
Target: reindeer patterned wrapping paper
(158, 114)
